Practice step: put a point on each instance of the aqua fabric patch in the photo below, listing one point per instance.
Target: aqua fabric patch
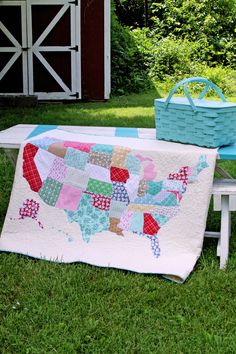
(170, 200)
(154, 187)
(50, 191)
(161, 219)
(146, 199)
(119, 192)
(76, 158)
(45, 142)
(127, 132)
(106, 149)
(173, 185)
(99, 187)
(137, 222)
(41, 129)
(133, 164)
(90, 219)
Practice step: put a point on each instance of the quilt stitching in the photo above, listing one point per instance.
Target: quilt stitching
(129, 199)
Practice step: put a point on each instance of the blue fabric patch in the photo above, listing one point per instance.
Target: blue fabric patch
(90, 219)
(137, 221)
(45, 142)
(160, 219)
(41, 129)
(106, 149)
(76, 158)
(127, 132)
(146, 199)
(133, 164)
(119, 192)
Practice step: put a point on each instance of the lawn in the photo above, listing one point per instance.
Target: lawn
(77, 308)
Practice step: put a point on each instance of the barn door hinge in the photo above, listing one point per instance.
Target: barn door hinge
(75, 2)
(76, 95)
(76, 48)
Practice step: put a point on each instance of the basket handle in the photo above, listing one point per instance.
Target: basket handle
(194, 79)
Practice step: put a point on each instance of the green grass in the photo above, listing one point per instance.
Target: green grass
(77, 308)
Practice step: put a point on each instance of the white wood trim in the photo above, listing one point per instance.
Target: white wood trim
(78, 42)
(73, 52)
(54, 95)
(51, 25)
(36, 49)
(9, 35)
(51, 48)
(107, 49)
(29, 52)
(9, 64)
(48, 2)
(24, 45)
(9, 2)
(52, 71)
(9, 49)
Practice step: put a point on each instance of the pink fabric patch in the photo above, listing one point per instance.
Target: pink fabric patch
(86, 147)
(69, 198)
(149, 172)
(125, 220)
(58, 170)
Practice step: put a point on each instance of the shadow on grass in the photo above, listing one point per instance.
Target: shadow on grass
(135, 110)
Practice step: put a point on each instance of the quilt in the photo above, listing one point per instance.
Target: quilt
(112, 202)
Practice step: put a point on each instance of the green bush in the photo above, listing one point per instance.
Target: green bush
(211, 22)
(168, 57)
(129, 73)
(188, 38)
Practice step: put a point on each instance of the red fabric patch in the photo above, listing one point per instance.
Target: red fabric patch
(30, 209)
(86, 147)
(30, 172)
(101, 202)
(119, 174)
(150, 226)
(182, 175)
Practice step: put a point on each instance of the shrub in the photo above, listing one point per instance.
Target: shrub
(128, 68)
(211, 22)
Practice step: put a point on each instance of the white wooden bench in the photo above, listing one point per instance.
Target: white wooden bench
(224, 190)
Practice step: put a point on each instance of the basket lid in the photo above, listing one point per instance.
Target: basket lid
(199, 103)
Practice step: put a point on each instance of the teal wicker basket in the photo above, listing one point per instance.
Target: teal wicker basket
(196, 121)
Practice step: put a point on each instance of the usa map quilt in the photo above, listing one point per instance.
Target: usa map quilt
(111, 202)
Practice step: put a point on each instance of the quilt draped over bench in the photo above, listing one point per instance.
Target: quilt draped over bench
(111, 202)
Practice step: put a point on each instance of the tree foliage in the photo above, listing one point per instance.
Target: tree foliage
(211, 22)
(129, 73)
(184, 38)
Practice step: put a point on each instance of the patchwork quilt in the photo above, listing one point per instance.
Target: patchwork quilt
(112, 202)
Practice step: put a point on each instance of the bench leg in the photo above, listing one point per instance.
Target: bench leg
(12, 155)
(223, 246)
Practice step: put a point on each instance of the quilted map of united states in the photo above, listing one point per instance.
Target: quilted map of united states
(104, 187)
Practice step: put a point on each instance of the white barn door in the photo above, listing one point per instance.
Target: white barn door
(49, 46)
(13, 48)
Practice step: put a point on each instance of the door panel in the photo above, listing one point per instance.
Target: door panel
(13, 41)
(40, 48)
(53, 49)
